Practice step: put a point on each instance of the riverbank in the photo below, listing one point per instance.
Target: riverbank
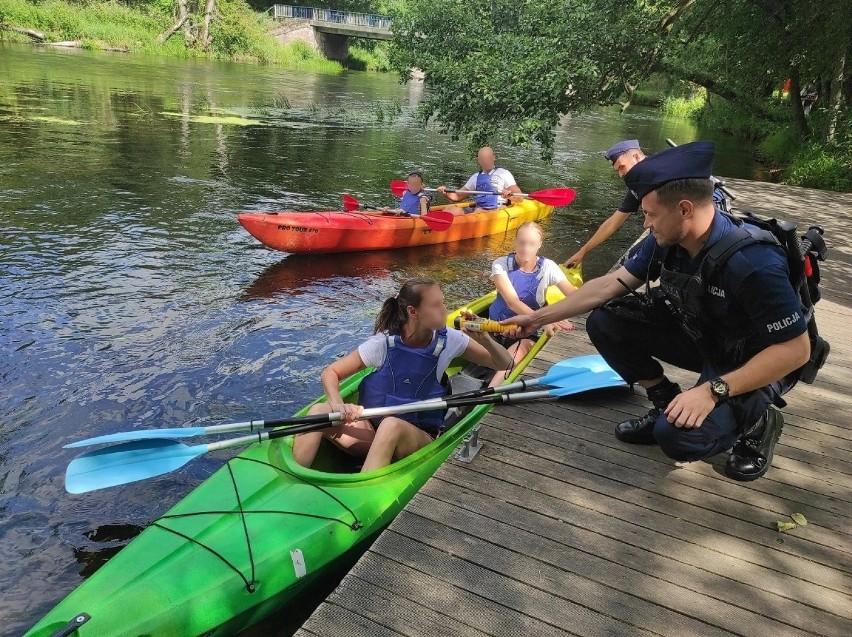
(236, 33)
(791, 157)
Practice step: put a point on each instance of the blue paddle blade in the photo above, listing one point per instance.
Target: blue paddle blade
(129, 462)
(144, 434)
(571, 367)
(590, 372)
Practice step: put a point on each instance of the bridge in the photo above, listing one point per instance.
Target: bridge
(328, 30)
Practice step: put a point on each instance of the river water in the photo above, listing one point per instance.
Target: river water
(130, 297)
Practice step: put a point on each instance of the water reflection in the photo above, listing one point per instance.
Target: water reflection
(131, 297)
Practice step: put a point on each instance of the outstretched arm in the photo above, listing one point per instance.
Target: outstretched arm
(604, 232)
(593, 294)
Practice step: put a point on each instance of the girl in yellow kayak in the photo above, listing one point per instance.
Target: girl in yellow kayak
(411, 351)
(522, 279)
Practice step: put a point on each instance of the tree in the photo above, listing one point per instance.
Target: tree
(522, 65)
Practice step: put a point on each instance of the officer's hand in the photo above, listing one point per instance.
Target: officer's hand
(689, 409)
(576, 259)
(347, 411)
(523, 326)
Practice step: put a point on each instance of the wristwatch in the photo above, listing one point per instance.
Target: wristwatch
(719, 388)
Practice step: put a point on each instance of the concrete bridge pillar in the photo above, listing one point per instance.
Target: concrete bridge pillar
(334, 46)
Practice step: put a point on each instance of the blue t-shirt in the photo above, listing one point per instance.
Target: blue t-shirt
(753, 287)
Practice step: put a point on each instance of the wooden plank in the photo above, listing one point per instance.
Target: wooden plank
(532, 534)
(727, 497)
(542, 592)
(679, 562)
(640, 508)
(490, 617)
(331, 620)
(408, 617)
(569, 418)
(721, 559)
(601, 477)
(649, 459)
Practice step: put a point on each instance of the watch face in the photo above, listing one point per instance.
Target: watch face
(719, 387)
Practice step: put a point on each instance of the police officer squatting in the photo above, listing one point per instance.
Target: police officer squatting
(732, 305)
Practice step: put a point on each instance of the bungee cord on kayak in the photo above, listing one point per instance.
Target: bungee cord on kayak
(355, 525)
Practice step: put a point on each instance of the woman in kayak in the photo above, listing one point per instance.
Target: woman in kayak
(414, 201)
(522, 279)
(411, 351)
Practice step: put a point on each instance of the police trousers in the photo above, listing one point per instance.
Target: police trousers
(633, 337)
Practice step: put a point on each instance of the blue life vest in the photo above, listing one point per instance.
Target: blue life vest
(483, 182)
(410, 202)
(526, 286)
(407, 374)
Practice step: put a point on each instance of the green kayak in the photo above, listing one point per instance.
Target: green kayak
(249, 538)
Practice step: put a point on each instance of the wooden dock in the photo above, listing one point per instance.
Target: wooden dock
(557, 528)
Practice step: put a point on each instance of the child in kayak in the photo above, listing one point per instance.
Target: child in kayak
(415, 201)
(411, 351)
(522, 279)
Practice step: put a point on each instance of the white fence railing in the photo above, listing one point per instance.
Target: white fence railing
(330, 16)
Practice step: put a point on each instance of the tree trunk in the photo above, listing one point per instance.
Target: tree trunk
(835, 103)
(180, 21)
(35, 35)
(795, 97)
(205, 26)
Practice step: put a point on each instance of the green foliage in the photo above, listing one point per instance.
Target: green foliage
(684, 106)
(368, 58)
(500, 64)
(781, 145)
(821, 166)
(720, 114)
(237, 32)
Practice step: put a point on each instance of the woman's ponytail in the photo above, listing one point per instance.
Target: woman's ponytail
(394, 312)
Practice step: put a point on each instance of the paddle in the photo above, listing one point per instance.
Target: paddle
(437, 220)
(561, 375)
(550, 197)
(142, 459)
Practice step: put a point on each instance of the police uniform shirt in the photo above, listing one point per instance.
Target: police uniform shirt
(752, 287)
(630, 204)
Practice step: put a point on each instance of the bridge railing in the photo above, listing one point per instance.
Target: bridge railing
(331, 16)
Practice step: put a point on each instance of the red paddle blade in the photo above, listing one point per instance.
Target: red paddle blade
(398, 187)
(438, 220)
(554, 196)
(350, 203)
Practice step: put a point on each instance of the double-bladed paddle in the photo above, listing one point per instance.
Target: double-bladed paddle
(550, 196)
(437, 220)
(570, 373)
(142, 459)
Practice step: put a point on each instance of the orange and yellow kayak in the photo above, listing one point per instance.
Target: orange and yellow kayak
(323, 232)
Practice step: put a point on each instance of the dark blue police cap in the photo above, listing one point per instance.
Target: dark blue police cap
(620, 148)
(688, 161)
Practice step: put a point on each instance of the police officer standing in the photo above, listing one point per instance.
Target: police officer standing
(741, 327)
(623, 156)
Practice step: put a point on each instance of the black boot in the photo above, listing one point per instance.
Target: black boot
(752, 454)
(640, 431)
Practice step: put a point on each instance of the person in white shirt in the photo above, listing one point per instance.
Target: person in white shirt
(522, 279)
(490, 179)
(411, 351)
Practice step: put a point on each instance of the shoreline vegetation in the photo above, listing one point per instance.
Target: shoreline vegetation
(234, 31)
(237, 30)
(790, 157)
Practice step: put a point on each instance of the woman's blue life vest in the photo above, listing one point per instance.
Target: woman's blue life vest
(483, 182)
(408, 374)
(526, 286)
(410, 202)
